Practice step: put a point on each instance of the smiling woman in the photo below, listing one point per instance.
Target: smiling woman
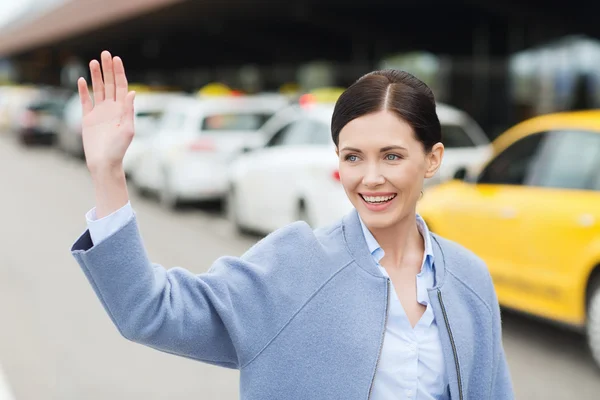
(389, 139)
(310, 311)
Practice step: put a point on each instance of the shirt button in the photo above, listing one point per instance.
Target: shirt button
(409, 393)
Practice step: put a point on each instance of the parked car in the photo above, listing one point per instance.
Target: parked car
(199, 137)
(42, 118)
(533, 215)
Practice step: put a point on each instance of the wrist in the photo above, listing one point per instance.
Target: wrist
(110, 187)
(107, 172)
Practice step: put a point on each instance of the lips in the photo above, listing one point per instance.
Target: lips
(378, 202)
(378, 199)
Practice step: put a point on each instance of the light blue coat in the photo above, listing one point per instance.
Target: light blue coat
(301, 314)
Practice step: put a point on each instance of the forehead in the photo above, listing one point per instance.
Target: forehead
(375, 128)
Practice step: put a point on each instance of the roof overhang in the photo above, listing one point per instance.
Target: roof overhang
(74, 17)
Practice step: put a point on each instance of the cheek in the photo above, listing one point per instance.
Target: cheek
(350, 177)
(404, 175)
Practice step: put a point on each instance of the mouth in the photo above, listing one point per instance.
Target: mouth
(378, 200)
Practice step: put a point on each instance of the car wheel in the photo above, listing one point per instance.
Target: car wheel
(593, 321)
(303, 214)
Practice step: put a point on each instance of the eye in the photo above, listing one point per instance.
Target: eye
(393, 157)
(351, 157)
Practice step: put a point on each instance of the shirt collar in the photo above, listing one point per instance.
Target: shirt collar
(377, 251)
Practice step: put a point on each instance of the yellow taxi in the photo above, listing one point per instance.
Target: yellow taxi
(532, 213)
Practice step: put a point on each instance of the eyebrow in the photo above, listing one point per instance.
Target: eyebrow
(382, 150)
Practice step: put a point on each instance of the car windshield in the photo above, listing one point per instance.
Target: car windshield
(235, 122)
(149, 115)
(49, 106)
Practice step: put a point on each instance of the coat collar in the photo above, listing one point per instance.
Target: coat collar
(357, 246)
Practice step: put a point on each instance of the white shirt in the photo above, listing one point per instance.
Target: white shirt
(411, 365)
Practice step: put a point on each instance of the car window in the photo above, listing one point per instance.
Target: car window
(278, 136)
(147, 122)
(570, 160)
(299, 133)
(234, 122)
(54, 107)
(151, 115)
(515, 164)
(455, 136)
(320, 134)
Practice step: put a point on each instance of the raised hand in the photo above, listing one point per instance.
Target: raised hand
(107, 125)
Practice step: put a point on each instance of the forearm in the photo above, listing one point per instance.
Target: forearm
(110, 187)
(173, 310)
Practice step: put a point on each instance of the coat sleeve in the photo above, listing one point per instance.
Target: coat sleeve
(225, 316)
(172, 310)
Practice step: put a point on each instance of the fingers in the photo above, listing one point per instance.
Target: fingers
(84, 96)
(129, 100)
(120, 79)
(97, 83)
(109, 76)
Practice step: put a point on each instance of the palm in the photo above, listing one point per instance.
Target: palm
(107, 131)
(104, 115)
(107, 125)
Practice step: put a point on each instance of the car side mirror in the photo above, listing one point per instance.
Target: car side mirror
(460, 174)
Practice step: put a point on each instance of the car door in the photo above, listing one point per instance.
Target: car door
(254, 202)
(162, 146)
(281, 173)
(489, 217)
(318, 184)
(561, 222)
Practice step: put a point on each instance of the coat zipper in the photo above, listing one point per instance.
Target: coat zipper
(460, 392)
(387, 304)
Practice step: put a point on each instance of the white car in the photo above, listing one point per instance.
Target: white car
(199, 137)
(149, 108)
(295, 175)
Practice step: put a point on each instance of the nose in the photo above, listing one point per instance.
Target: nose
(373, 177)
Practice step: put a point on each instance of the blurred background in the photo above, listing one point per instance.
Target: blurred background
(233, 141)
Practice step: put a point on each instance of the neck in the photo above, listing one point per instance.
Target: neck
(402, 243)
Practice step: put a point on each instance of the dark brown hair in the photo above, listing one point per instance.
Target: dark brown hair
(393, 90)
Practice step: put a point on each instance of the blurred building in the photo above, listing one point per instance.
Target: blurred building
(464, 50)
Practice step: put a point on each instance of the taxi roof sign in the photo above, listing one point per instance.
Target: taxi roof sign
(289, 88)
(216, 89)
(145, 88)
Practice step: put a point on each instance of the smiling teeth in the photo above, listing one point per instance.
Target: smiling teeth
(378, 199)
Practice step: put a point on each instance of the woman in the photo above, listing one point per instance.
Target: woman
(373, 307)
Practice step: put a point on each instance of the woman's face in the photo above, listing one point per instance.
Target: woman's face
(382, 167)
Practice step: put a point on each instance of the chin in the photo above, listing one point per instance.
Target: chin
(380, 217)
(378, 220)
